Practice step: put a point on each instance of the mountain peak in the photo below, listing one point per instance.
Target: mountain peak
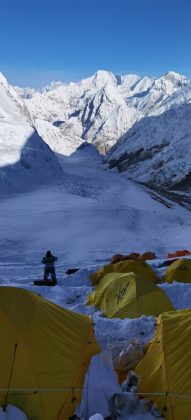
(172, 75)
(52, 86)
(3, 80)
(103, 74)
(98, 109)
(102, 77)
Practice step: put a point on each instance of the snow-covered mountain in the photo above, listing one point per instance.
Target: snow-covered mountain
(140, 117)
(99, 109)
(26, 161)
(156, 150)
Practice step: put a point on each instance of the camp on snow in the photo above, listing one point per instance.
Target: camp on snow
(165, 369)
(179, 270)
(139, 267)
(127, 295)
(45, 352)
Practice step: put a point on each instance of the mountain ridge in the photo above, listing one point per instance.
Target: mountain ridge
(100, 108)
(114, 113)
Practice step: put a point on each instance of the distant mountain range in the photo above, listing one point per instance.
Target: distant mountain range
(142, 124)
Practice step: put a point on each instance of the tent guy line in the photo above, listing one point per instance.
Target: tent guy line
(33, 390)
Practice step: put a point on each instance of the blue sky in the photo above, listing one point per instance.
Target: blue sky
(44, 40)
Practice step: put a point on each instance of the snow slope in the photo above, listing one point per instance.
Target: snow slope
(157, 149)
(91, 215)
(26, 161)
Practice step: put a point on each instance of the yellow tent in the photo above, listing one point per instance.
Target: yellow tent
(179, 270)
(165, 369)
(127, 295)
(44, 354)
(128, 266)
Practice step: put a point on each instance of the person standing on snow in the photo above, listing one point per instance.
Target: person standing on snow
(49, 268)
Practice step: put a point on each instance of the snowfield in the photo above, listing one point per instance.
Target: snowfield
(87, 216)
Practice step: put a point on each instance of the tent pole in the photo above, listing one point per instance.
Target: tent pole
(11, 373)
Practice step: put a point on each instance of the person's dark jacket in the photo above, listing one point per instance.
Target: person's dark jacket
(49, 261)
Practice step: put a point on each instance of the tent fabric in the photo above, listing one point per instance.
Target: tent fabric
(181, 253)
(127, 295)
(139, 267)
(179, 270)
(166, 366)
(101, 383)
(44, 354)
(133, 256)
